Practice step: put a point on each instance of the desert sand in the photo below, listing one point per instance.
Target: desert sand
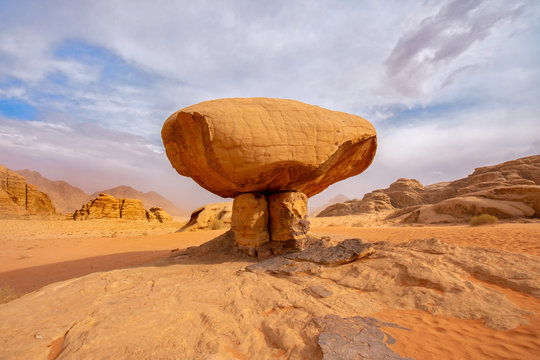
(38, 253)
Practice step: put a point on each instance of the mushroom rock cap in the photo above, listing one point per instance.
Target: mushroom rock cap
(238, 145)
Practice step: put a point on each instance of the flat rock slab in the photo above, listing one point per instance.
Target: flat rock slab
(345, 252)
(317, 253)
(355, 338)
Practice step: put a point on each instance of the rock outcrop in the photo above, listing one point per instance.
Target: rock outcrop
(20, 200)
(209, 217)
(263, 146)
(157, 213)
(292, 307)
(66, 198)
(108, 207)
(507, 190)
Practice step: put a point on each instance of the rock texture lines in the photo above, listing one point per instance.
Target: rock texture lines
(281, 150)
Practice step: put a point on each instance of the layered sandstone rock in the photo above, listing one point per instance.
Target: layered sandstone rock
(209, 217)
(108, 207)
(507, 190)
(20, 200)
(256, 147)
(502, 202)
(250, 220)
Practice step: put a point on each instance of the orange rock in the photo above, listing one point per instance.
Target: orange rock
(209, 217)
(239, 145)
(108, 207)
(157, 213)
(19, 200)
(250, 220)
(288, 213)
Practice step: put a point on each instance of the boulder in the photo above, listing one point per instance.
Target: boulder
(20, 200)
(262, 146)
(209, 217)
(157, 213)
(234, 146)
(108, 207)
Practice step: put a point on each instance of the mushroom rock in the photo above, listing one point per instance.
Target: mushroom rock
(263, 146)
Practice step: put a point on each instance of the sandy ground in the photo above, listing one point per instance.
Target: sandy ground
(37, 253)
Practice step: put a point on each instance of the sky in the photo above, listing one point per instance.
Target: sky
(85, 86)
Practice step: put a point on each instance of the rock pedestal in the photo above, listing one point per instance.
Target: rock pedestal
(250, 221)
(288, 225)
(273, 221)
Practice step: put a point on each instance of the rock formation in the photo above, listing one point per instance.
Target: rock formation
(108, 207)
(149, 199)
(507, 190)
(65, 197)
(253, 148)
(20, 200)
(209, 217)
(157, 213)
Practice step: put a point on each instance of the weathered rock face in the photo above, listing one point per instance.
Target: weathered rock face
(250, 220)
(209, 217)
(262, 146)
(502, 202)
(108, 207)
(157, 213)
(149, 199)
(19, 200)
(288, 214)
(488, 190)
(234, 146)
(65, 197)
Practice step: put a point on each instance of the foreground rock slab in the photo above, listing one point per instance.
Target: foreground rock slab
(355, 338)
(213, 302)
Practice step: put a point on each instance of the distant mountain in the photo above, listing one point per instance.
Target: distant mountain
(336, 199)
(149, 199)
(65, 197)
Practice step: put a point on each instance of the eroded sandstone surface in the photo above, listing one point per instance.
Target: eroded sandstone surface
(213, 302)
(209, 217)
(271, 155)
(108, 207)
(507, 190)
(239, 145)
(20, 200)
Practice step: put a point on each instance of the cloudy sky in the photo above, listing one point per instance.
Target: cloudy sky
(85, 86)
